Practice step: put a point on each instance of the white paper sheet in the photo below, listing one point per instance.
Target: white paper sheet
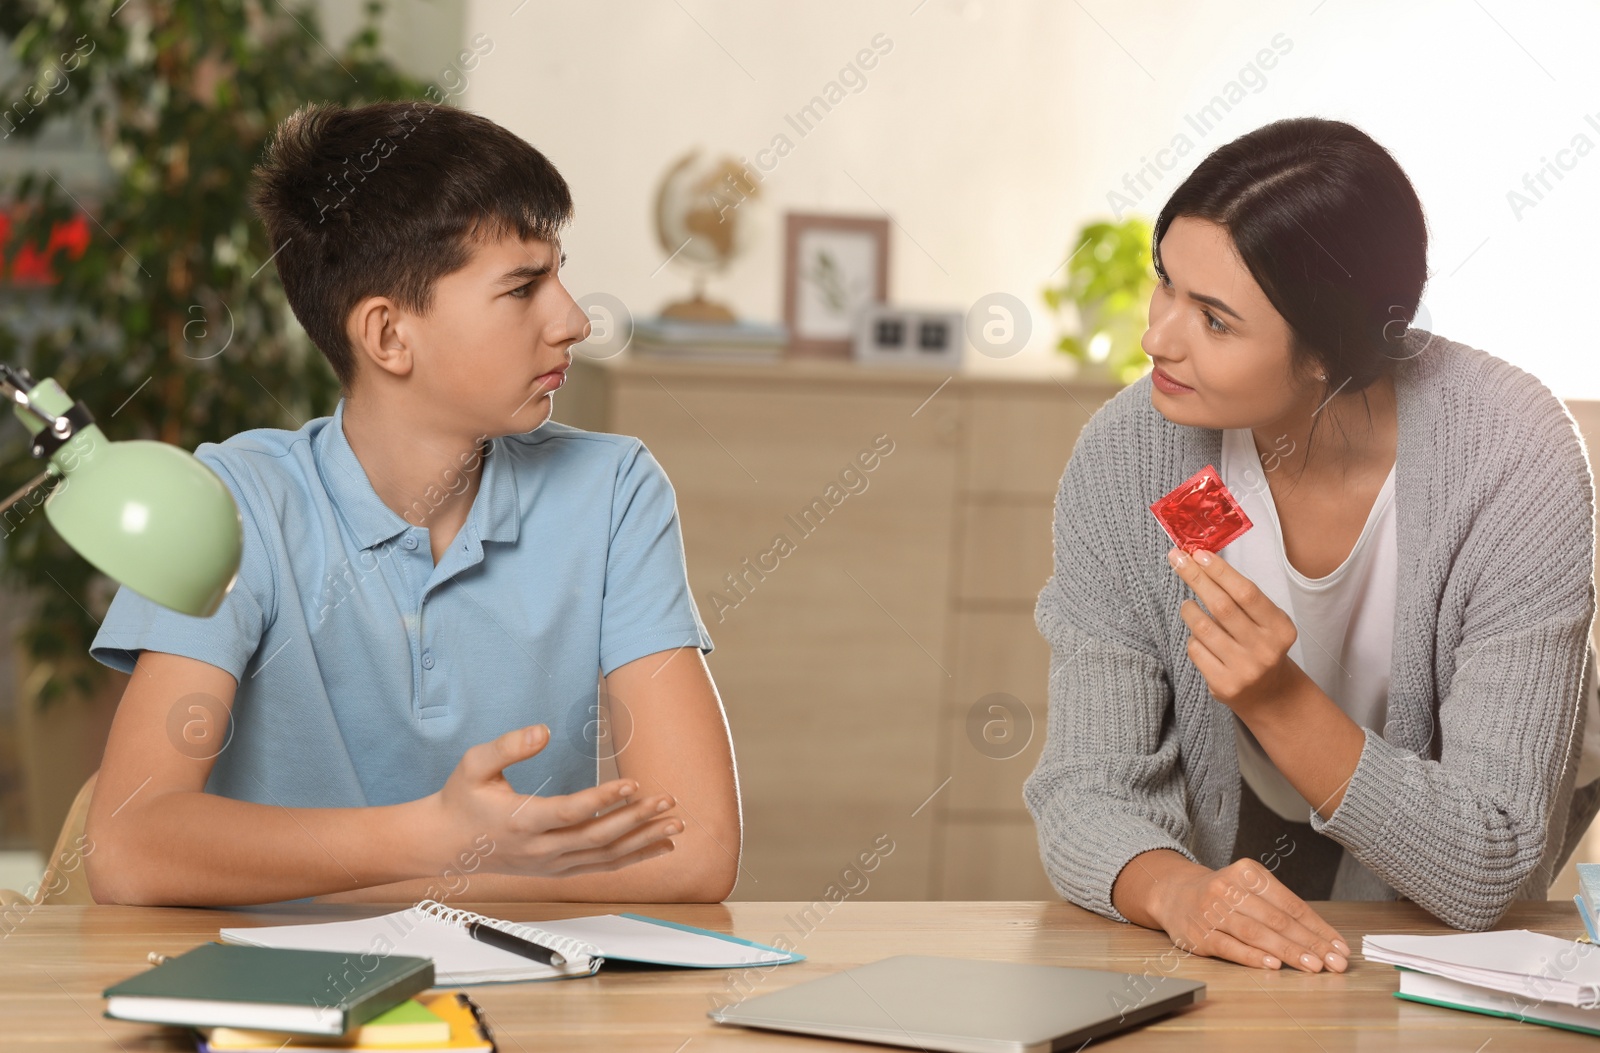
(1517, 961)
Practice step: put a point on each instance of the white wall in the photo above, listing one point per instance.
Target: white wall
(421, 36)
(991, 131)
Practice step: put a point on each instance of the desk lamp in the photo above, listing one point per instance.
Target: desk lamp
(147, 514)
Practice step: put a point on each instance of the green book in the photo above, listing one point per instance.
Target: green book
(269, 989)
(408, 1024)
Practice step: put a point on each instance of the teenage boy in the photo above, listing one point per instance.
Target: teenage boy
(401, 696)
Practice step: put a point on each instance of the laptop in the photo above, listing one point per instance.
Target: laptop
(963, 1005)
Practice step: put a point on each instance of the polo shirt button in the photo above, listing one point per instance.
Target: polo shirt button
(409, 542)
(427, 659)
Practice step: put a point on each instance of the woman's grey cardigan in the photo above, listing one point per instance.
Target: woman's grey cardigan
(1463, 802)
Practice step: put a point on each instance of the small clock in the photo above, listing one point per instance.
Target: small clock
(910, 336)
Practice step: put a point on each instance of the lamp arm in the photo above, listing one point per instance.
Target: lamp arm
(27, 488)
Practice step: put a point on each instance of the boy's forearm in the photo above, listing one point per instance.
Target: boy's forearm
(700, 871)
(200, 849)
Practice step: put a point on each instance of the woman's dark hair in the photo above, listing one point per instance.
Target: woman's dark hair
(1330, 228)
(384, 200)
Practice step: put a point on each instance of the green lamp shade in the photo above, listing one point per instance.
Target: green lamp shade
(154, 518)
(147, 514)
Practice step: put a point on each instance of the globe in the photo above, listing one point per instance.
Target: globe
(705, 216)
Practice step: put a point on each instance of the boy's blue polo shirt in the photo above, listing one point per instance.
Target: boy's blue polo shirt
(365, 671)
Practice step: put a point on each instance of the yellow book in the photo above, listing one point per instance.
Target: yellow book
(468, 1032)
(446, 1022)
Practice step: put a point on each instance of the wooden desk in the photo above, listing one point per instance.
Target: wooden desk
(56, 960)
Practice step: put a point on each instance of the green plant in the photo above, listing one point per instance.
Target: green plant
(1109, 279)
(172, 324)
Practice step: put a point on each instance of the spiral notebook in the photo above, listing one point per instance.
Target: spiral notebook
(432, 930)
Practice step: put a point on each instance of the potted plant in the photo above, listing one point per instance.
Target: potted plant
(167, 320)
(1109, 278)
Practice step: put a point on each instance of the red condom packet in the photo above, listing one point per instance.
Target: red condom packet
(1201, 513)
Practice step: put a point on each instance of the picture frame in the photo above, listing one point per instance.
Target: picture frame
(834, 267)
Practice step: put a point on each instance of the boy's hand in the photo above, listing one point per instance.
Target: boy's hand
(592, 830)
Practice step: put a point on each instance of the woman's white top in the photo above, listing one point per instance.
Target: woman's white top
(1345, 620)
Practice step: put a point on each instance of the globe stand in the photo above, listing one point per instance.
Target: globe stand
(698, 309)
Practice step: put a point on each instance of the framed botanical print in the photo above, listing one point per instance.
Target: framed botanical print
(834, 267)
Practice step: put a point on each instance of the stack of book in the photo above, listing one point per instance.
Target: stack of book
(250, 999)
(1523, 975)
(722, 340)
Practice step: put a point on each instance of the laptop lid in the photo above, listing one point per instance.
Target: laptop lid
(963, 1005)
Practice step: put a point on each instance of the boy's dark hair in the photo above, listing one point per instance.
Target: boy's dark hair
(385, 199)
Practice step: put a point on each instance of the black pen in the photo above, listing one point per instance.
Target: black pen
(515, 944)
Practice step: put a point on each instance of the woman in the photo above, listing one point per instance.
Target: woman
(1378, 691)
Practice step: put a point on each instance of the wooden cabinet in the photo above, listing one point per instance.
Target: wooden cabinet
(865, 547)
